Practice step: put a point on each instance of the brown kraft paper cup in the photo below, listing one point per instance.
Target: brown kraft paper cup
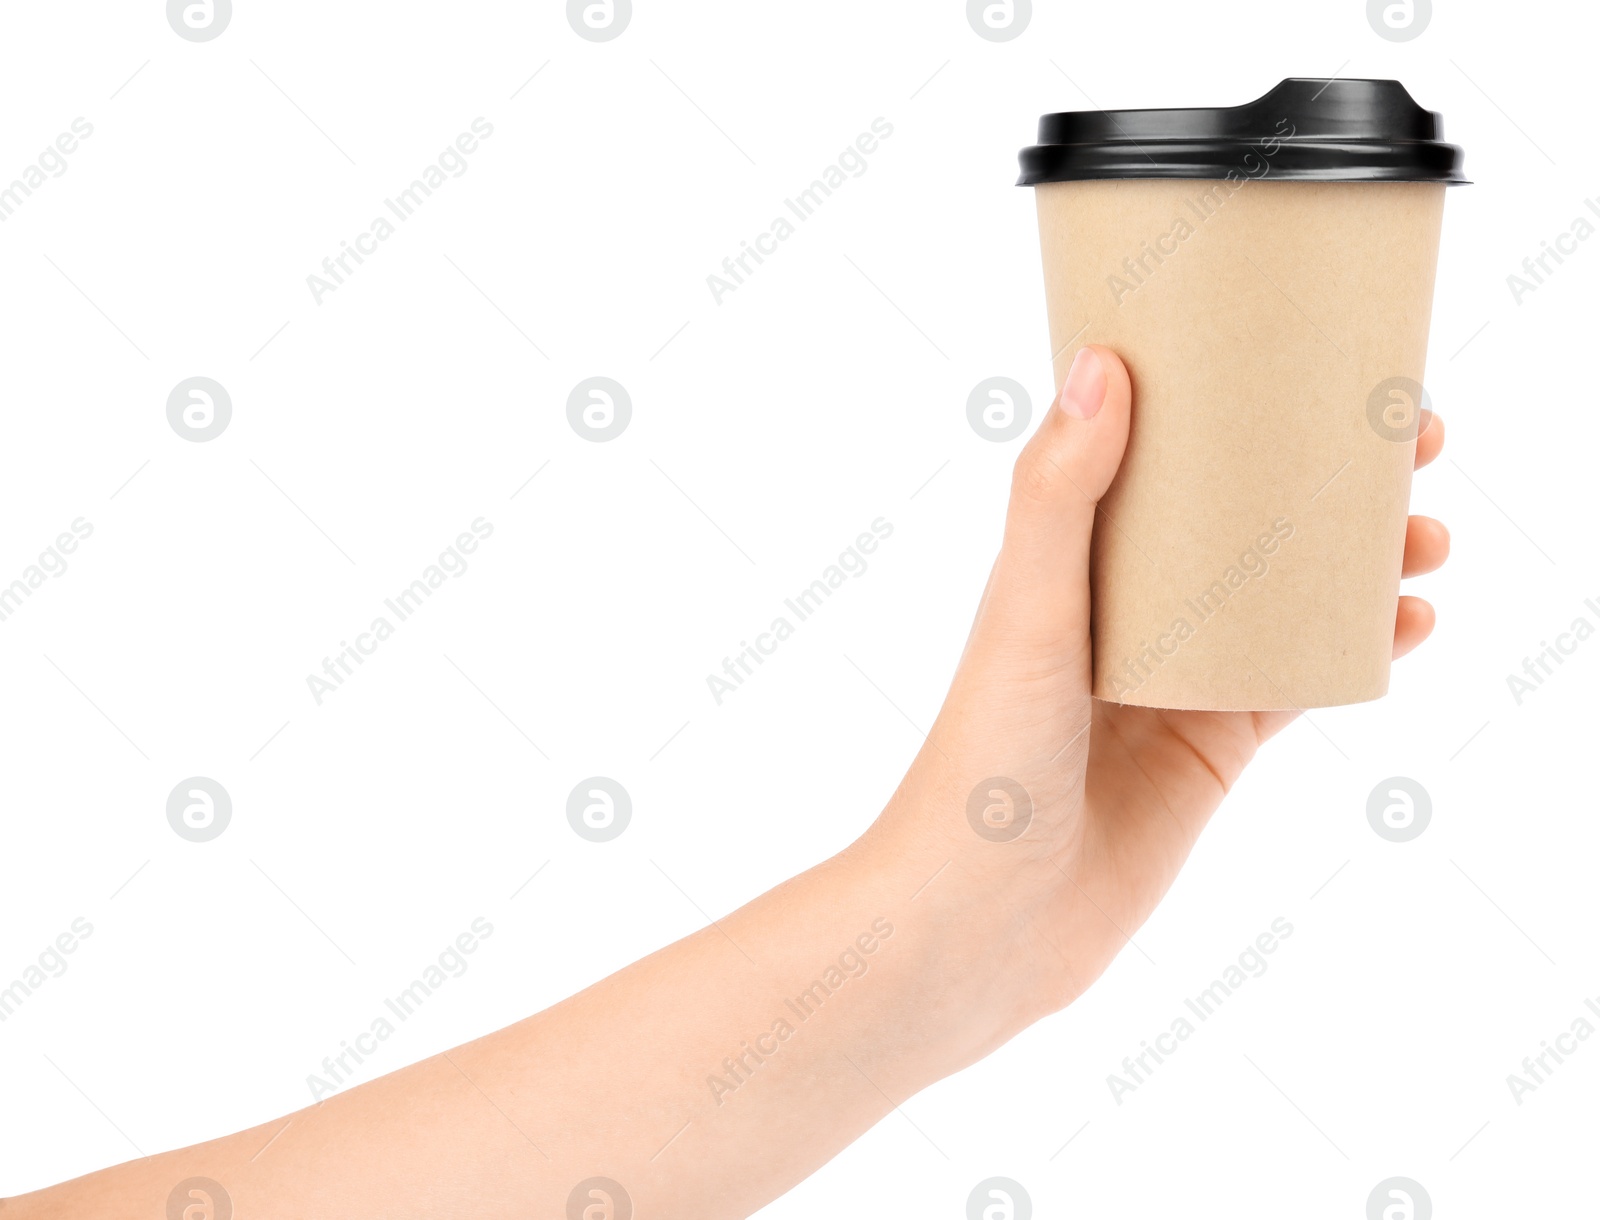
(1247, 555)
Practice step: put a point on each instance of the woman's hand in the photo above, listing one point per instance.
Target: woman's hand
(1113, 796)
(716, 1073)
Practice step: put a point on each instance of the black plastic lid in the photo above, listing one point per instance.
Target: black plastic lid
(1306, 130)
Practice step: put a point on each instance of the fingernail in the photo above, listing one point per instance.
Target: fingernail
(1085, 388)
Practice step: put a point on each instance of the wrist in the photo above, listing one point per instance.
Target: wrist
(964, 964)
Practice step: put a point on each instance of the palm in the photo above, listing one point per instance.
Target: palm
(1153, 780)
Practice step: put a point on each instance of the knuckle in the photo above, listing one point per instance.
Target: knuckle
(1038, 479)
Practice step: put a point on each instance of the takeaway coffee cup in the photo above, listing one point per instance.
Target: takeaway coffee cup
(1266, 272)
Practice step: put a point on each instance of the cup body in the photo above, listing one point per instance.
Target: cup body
(1247, 556)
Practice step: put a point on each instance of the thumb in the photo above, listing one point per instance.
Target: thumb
(1040, 590)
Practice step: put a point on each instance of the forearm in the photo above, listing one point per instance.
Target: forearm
(767, 1042)
(759, 1049)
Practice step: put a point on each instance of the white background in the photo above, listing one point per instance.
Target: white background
(767, 432)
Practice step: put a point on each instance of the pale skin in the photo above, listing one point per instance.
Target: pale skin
(984, 937)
